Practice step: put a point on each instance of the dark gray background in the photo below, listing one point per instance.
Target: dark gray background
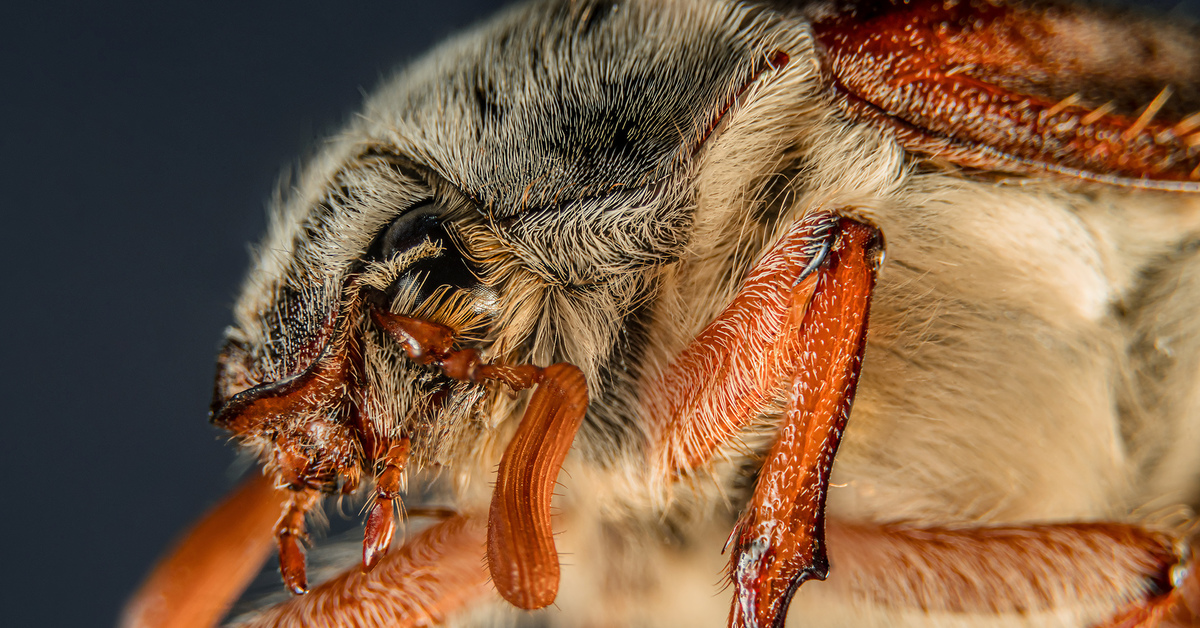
(139, 144)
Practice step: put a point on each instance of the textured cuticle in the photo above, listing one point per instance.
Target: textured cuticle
(520, 549)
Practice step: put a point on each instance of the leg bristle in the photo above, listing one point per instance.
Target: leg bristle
(1148, 113)
(1187, 125)
(1098, 113)
(1069, 101)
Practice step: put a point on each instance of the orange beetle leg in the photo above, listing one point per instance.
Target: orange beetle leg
(801, 315)
(381, 521)
(730, 373)
(1015, 570)
(194, 586)
(433, 575)
(1177, 607)
(780, 541)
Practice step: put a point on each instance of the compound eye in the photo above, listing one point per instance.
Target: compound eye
(408, 230)
(422, 222)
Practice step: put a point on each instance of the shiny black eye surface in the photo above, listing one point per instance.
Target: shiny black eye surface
(408, 230)
(422, 222)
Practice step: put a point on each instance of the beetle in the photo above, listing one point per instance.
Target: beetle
(670, 222)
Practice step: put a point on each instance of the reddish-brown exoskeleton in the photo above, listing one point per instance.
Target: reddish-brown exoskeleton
(681, 209)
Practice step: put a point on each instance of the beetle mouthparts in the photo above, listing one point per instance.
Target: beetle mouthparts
(521, 554)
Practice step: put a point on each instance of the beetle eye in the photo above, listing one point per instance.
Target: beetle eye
(410, 229)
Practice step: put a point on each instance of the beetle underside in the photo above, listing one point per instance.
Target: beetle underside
(669, 222)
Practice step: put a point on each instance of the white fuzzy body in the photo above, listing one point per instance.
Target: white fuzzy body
(1004, 380)
(1033, 352)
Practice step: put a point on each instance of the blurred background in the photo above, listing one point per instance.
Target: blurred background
(140, 142)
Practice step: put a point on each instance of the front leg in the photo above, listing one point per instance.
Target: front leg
(811, 328)
(733, 370)
(435, 574)
(780, 541)
(800, 317)
(194, 586)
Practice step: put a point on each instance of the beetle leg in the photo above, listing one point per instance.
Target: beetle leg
(431, 576)
(290, 532)
(199, 580)
(1178, 607)
(1018, 569)
(779, 543)
(381, 521)
(731, 373)
(801, 315)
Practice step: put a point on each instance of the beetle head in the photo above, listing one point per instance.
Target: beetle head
(527, 189)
